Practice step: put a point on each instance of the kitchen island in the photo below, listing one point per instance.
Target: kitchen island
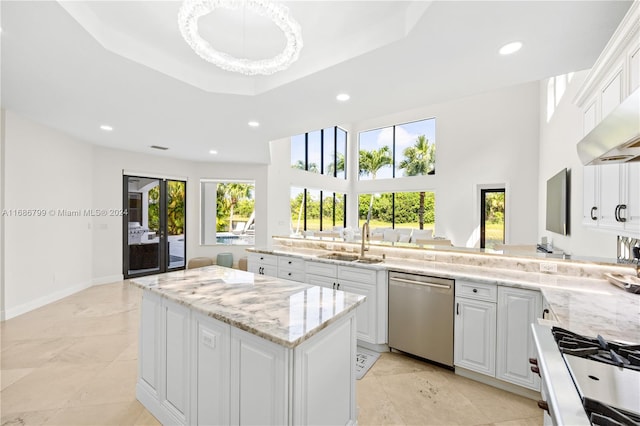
(222, 346)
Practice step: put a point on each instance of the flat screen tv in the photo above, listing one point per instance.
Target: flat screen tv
(558, 203)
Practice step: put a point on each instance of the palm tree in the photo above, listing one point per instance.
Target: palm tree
(339, 165)
(370, 163)
(313, 167)
(419, 159)
(234, 192)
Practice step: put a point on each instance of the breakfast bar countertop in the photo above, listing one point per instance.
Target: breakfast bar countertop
(284, 312)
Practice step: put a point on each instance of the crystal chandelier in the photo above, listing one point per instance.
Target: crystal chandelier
(192, 10)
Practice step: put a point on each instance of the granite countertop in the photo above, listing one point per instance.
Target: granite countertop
(584, 305)
(284, 312)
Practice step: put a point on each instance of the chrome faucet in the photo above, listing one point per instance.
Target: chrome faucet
(365, 236)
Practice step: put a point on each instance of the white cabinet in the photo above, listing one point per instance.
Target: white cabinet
(590, 196)
(259, 380)
(210, 378)
(611, 94)
(263, 264)
(163, 363)
(611, 198)
(373, 313)
(493, 333)
(325, 380)
(291, 268)
(517, 310)
(620, 198)
(193, 369)
(475, 327)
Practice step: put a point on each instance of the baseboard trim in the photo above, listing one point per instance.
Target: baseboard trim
(496, 383)
(44, 300)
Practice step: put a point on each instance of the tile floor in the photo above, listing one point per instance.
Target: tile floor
(73, 362)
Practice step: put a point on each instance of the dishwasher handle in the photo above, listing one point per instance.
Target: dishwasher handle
(402, 280)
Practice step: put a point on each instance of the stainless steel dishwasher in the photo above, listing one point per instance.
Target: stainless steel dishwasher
(421, 316)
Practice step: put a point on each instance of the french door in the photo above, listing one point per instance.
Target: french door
(154, 237)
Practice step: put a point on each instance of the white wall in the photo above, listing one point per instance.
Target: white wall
(50, 257)
(46, 257)
(490, 138)
(558, 140)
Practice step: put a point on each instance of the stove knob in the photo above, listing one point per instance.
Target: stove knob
(543, 404)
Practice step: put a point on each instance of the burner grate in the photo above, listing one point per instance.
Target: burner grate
(598, 349)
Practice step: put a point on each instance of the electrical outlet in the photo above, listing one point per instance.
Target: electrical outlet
(548, 267)
(429, 256)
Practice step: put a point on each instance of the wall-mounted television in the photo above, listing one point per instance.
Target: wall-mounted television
(558, 203)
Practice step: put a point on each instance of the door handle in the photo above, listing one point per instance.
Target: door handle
(593, 217)
(615, 213)
(457, 308)
(620, 208)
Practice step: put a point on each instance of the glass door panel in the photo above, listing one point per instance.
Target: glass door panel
(176, 200)
(492, 214)
(154, 228)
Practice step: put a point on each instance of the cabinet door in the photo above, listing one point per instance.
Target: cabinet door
(590, 118)
(517, 309)
(612, 94)
(259, 380)
(590, 202)
(253, 263)
(609, 195)
(634, 70)
(175, 359)
(365, 313)
(321, 280)
(475, 335)
(148, 352)
(210, 373)
(632, 199)
(324, 386)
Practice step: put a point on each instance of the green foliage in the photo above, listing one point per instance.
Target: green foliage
(494, 207)
(153, 211)
(406, 207)
(175, 207)
(372, 161)
(233, 199)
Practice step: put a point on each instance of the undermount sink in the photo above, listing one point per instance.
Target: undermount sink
(350, 258)
(369, 260)
(340, 256)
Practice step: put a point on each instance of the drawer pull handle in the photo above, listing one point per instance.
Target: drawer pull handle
(543, 404)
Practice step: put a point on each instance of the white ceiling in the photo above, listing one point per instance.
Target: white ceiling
(79, 64)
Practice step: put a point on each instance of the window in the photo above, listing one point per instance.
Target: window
(227, 212)
(316, 210)
(556, 87)
(321, 151)
(414, 210)
(402, 150)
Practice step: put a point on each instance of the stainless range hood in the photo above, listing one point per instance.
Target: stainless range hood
(616, 139)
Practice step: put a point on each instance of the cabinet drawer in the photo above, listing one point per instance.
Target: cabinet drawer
(266, 259)
(319, 268)
(477, 291)
(362, 275)
(291, 274)
(291, 263)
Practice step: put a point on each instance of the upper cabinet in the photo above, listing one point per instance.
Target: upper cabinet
(611, 199)
(616, 73)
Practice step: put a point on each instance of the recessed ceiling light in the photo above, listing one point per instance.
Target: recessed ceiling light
(343, 97)
(213, 151)
(510, 48)
(253, 124)
(106, 128)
